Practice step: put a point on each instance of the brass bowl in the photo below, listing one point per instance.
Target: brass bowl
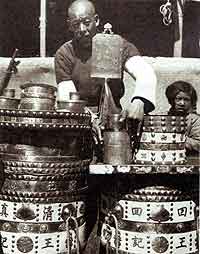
(76, 106)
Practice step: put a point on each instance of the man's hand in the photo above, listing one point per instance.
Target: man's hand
(134, 110)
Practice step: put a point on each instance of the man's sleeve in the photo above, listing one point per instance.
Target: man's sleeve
(63, 65)
(144, 75)
(129, 50)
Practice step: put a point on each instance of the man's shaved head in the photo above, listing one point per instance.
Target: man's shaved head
(83, 22)
(81, 7)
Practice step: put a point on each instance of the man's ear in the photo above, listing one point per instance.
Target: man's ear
(97, 20)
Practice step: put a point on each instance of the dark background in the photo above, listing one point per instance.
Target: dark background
(138, 21)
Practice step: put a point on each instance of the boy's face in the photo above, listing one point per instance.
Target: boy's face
(183, 103)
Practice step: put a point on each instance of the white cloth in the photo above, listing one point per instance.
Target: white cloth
(145, 77)
(64, 89)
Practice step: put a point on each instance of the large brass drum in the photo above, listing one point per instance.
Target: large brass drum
(44, 189)
(149, 219)
(162, 140)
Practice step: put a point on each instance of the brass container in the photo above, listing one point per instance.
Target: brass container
(38, 89)
(37, 97)
(76, 106)
(117, 145)
(149, 219)
(44, 181)
(37, 103)
(117, 148)
(9, 92)
(161, 141)
(9, 103)
(73, 105)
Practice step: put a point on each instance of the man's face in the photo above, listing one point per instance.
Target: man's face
(183, 103)
(83, 24)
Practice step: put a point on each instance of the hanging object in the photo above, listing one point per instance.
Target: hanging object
(166, 11)
(107, 54)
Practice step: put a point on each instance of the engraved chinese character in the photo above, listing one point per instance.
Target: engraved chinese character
(182, 211)
(182, 243)
(3, 241)
(137, 242)
(4, 210)
(47, 213)
(48, 243)
(137, 211)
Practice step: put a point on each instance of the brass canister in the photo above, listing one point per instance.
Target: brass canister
(73, 105)
(37, 97)
(117, 146)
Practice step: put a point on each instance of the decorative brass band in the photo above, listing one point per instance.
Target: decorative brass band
(33, 150)
(160, 156)
(158, 191)
(161, 228)
(167, 119)
(60, 162)
(163, 138)
(45, 197)
(45, 186)
(57, 177)
(164, 129)
(45, 168)
(150, 194)
(38, 87)
(11, 124)
(150, 242)
(150, 197)
(37, 95)
(167, 162)
(162, 123)
(35, 103)
(113, 251)
(43, 171)
(161, 146)
(44, 119)
(27, 227)
(44, 114)
(45, 243)
(35, 159)
(144, 169)
(44, 194)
